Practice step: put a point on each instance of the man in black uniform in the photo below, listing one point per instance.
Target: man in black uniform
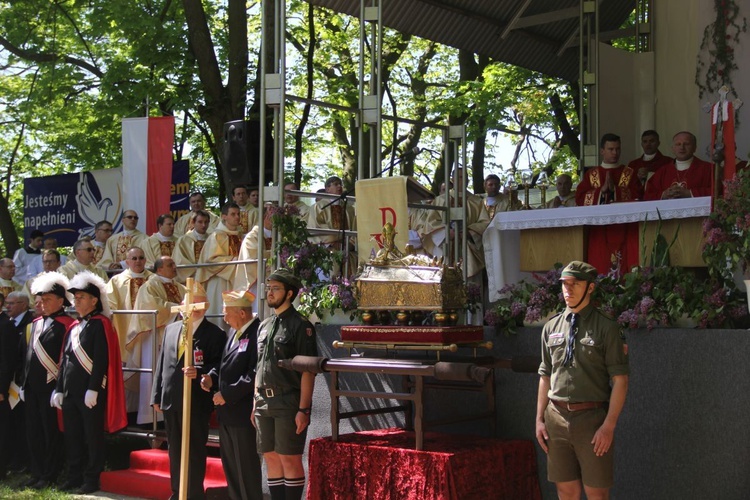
(582, 387)
(17, 305)
(40, 377)
(8, 362)
(234, 384)
(168, 387)
(283, 399)
(89, 390)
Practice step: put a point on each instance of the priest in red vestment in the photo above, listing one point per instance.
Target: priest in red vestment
(686, 177)
(613, 247)
(651, 160)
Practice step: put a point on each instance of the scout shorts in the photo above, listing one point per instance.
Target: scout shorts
(571, 454)
(277, 431)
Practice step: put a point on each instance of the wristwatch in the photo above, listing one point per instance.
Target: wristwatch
(306, 411)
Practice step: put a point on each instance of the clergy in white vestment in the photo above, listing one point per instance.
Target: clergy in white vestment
(185, 222)
(117, 246)
(122, 290)
(160, 293)
(188, 249)
(223, 245)
(163, 241)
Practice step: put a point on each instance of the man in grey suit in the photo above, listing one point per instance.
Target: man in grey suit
(167, 392)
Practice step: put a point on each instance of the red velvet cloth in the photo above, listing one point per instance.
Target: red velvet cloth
(383, 464)
(413, 334)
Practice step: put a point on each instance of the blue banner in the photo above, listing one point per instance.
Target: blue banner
(68, 206)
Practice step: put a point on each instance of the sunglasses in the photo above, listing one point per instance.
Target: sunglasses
(134, 217)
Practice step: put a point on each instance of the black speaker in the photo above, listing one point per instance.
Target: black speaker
(241, 158)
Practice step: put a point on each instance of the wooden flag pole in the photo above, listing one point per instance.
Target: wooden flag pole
(187, 311)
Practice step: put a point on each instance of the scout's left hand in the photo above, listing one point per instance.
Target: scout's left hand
(603, 439)
(190, 372)
(302, 420)
(90, 399)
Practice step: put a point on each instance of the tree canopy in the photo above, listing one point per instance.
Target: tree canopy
(70, 71)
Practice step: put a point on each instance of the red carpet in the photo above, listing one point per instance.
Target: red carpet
(148, 477)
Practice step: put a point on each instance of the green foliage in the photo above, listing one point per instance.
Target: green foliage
(72, 70)
(727, 230)
(645, 296)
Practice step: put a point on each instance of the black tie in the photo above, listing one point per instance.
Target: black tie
(570, 348)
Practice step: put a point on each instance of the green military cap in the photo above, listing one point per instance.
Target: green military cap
(579, 270)
(285, 276)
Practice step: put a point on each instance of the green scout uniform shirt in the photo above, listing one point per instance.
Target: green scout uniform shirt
(600, 353)
(295, 335)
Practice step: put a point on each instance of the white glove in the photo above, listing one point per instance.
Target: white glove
(90, 399)
(21, 395)
(56, 400)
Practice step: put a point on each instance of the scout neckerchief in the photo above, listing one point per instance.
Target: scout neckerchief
(80, 353)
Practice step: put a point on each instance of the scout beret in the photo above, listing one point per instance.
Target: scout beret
(198, 290)
(238, 298)
(579, 270)
(285, 276)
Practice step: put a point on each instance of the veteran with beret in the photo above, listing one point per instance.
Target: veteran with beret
(582, 388)
(283, 398)
(233, 385)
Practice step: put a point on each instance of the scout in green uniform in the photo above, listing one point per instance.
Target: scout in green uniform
(584, 380)
(283, 398)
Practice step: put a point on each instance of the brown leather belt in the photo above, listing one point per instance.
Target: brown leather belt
(586, 405)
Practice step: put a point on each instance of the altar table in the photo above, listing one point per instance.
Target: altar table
(382, 465)
(563, 238)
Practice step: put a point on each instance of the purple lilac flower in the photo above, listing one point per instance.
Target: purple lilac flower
(491, 318)
(628, 318)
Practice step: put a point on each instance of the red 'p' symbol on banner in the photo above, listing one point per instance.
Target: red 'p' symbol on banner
(385, 212)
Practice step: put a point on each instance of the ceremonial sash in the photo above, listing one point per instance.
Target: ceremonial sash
(625, 179)
(123, 243)
(135, 285)
(80, 353)
(596, 180)
(173, 293)
(244, 221)
(166, 248)
(45, 359)
(234, 244)
(197, 248)
(98, 253)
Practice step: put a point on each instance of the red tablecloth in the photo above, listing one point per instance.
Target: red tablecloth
(383, 464)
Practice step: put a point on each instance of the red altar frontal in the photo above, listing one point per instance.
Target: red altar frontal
(382, 465)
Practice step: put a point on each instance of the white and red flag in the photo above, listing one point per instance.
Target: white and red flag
(147, 167)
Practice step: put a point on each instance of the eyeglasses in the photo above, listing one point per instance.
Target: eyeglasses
(86, 249)
(110, 229)
(274, 289)
(134, 217)
(137, 258)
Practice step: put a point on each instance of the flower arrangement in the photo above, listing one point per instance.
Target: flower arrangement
(329, 297)
(527, 301)
(727, 231)
(645, 296)
(312, 263)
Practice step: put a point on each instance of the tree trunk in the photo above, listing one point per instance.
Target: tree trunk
(7, 229)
